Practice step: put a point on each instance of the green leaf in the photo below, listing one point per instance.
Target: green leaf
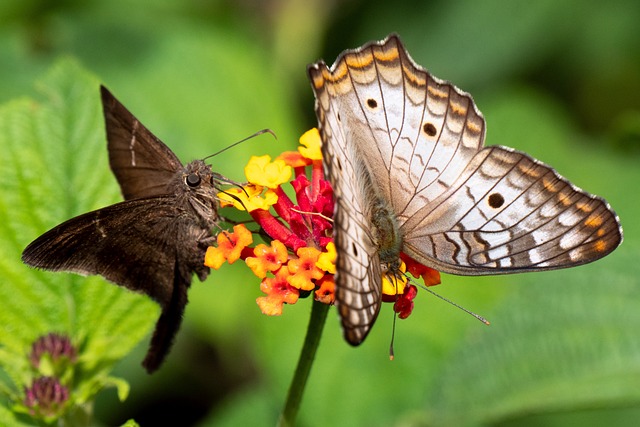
(562, 343)
(122, 387)
(11, 419)
(53, 167)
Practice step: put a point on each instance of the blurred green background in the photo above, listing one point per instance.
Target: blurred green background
(559, 80)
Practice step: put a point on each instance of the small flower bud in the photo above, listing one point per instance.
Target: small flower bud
(57, 346)
(46, 397)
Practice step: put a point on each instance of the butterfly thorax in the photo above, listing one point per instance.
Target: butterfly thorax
(386, 234)
(385, 231)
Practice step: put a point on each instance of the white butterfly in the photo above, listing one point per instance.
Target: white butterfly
(404, 152)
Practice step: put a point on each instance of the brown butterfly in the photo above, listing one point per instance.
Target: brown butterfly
(152, 242)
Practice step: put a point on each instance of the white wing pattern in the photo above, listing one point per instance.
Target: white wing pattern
(404, 152)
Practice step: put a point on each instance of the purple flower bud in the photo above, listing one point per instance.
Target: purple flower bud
(56, 345)
(45, 397)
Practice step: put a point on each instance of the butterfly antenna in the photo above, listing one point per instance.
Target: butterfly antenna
(477, 316)
(219, 228)
(237, 199)
(260, 132)
(312, 213)
(226, 180)
(393, 336)
(234, 222)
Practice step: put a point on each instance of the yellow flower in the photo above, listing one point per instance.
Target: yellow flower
(393, 284)
(262, 171)
(237, 198)
(311, 141)
(327, 260)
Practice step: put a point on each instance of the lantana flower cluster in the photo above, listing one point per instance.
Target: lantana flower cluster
(300, 258)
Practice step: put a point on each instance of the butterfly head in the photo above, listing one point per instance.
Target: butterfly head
(199, 184)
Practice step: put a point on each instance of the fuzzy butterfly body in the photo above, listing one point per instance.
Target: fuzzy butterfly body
(404, 152)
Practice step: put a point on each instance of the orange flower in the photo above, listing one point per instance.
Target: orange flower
(303, 270)
(230, 246)
(294, 159)
(267, 258)
(326, 293)
(431, 277)
(301, 253)
(278, 291)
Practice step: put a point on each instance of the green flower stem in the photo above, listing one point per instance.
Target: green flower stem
(308, 353)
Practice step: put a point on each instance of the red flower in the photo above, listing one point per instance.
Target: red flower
(430, 276)
(404, 304)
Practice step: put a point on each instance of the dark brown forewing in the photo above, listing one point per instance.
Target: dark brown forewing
(156, 256)
(141, 162)
(115, 243)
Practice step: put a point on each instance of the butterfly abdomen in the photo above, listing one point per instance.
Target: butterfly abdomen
(383, 221)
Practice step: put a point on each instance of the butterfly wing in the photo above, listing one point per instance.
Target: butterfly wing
(113, 243)
(358, 272)
(145, 256)
(415, 132)
(370, 114)
(421, 141)
(510, 213)
(141, 162)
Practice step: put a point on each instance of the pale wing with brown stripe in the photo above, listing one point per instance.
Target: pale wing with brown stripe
(358, 277)
(435, 193)
(510, 213)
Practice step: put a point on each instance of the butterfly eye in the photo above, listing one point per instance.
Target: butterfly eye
(193, 180)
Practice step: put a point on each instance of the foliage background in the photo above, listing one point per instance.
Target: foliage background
(558, 80)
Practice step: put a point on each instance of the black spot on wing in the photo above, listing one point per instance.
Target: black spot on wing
(429, 129)
(496, 200)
